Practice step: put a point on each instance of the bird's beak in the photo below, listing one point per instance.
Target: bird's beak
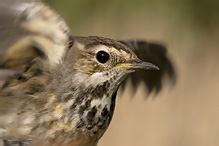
(138, 65)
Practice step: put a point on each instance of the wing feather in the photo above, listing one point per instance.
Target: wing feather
(32, 28)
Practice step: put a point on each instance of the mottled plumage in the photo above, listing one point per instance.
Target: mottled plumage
(63, 88)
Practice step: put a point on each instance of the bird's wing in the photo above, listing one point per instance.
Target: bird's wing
(156, 54)
(10, 10)
(30, 28)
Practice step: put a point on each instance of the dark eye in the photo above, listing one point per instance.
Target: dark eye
(102, 56)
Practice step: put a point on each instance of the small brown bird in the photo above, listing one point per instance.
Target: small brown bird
(64, 88)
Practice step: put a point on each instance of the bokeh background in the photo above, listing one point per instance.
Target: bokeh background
(184, 115)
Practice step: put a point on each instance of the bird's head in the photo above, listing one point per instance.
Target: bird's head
(100, 61)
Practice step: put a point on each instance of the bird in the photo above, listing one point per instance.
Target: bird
(61, 89)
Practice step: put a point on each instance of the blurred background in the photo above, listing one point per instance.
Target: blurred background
(184, 115)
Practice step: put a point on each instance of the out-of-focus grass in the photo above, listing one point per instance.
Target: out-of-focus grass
(186, 115)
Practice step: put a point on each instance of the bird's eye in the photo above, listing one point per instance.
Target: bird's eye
(102, 56)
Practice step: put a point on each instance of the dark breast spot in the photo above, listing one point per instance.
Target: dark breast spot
(102, 119)
(91, 114)
(100, 90)
(84, 107)
(90, 118)
(104, 112)
(88, 103)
